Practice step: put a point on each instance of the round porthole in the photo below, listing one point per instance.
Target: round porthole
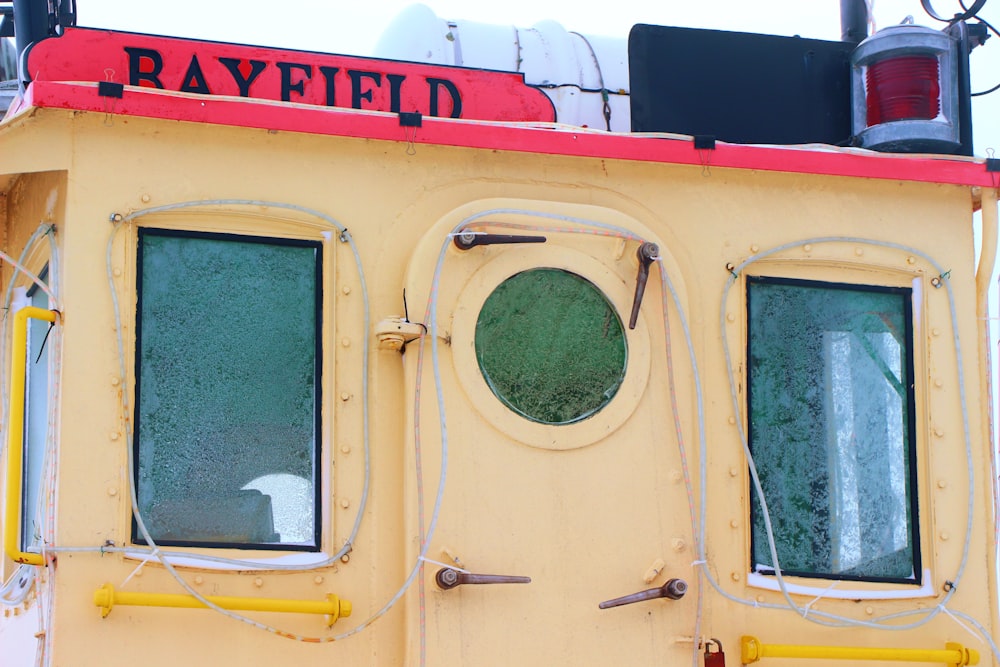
(551, 346)
(541, 351)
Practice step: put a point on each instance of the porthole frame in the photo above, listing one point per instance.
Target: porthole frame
(617, 289)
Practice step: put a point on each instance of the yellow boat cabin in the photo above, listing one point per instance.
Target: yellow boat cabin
(316, 359)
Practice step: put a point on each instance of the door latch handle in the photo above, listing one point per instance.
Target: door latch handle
(647, 252)
(672, 590)
(466, 240)
(448, 578)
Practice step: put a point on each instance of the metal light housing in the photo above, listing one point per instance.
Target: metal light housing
(905, 92)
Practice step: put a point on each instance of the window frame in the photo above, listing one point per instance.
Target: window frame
(908, 294)
(319, 476)
(31, 441)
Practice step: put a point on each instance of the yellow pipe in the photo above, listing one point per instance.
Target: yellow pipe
(988, 245)
(107, 597)
(751, 650)
(15, 436)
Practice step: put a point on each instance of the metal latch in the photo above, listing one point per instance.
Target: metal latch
(672, 590)
(448, 578)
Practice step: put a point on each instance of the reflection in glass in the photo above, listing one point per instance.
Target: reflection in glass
(36, 420)
(227, 365)
(831, 410)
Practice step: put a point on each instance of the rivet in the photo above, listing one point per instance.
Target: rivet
(942, 483)
(677, 476)
(938, 383)
(678, 544)
(869, 610)
(754, 248)
(117, 272)
(114, 435)
(859, 252)
(112, 491)
(732, 420)
(346, 342)
(138, 573)
(199, 580)
(145, 199)
(944, 536)
(730, 317)
(911, 260)
(734, 524)
(807, 247)
(345, 396)
(115, 382)
(736, 576)
(346, 558)
(345, 503)
(346, 289)
(318, 579)
(760, 598)
(733, 471)
(258, 582)
(935, 331)
(346, 449)
(938, 432)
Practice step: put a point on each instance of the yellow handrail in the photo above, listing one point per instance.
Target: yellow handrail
(15, 436)
(751, 650)
(107, 597)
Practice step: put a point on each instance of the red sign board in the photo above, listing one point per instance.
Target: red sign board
(214, 68)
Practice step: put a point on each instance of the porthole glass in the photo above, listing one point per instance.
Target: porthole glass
(550, 346)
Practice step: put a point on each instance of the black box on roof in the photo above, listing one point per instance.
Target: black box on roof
(740, 87)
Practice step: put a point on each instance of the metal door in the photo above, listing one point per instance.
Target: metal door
(560, 453)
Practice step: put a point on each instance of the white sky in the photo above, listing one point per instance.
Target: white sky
(354, 28)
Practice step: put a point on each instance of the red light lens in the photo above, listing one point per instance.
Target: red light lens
(904, 88)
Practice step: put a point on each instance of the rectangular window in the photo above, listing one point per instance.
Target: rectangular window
(228, 359)
(832, 429)
(36, 419)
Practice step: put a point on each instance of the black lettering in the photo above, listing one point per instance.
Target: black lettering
(136, 59)
(456, 99)
(233, 65)
(395, 85)
(356, 93)
(328, 74)
(287, 86)
(194, 79)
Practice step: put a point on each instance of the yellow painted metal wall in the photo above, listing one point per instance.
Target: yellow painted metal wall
(586, 510)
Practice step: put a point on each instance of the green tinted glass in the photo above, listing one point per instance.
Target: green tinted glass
(831, 406)
(551, 346)
(228, 383)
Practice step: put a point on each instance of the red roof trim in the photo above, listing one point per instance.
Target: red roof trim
(322, 79)
(542, 139)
